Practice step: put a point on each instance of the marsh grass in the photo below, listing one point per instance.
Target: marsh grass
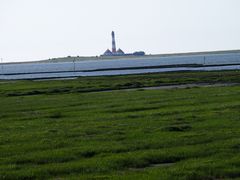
(93, 84)
(66, 134)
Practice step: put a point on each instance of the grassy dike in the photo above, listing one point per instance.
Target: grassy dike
(67, 130)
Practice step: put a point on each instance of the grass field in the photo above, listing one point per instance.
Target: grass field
(67, 130)
(93, 84)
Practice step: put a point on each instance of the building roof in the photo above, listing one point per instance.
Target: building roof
(107, 53)
(119, 51)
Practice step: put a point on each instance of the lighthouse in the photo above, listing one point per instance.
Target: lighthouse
(114, 50)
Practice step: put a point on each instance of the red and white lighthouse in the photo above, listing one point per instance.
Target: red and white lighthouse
(114, 49)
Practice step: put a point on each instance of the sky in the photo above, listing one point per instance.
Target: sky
(42, 29)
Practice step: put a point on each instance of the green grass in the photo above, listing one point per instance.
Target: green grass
(92, 84)
(151, 134)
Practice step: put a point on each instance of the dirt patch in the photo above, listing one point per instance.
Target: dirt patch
(179, 86)
(161, 165)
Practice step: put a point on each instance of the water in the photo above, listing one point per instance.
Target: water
(71, 69)
(115, 72)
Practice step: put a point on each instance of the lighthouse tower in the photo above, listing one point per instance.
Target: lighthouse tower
(114, 49)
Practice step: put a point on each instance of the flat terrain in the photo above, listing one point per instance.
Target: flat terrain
(66, 59)
(73, 130)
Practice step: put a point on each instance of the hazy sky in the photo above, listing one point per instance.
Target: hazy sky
(42, 29)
